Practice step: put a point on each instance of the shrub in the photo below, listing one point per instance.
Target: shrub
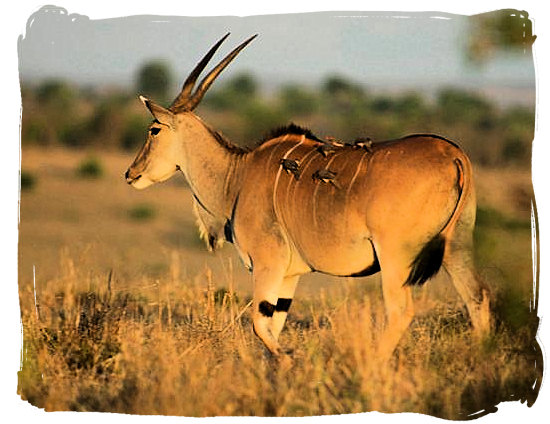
(514, 151)
(90, 168)
(57, 93)
(142, 212)
(28, 181)
(134, 132)
(34, 131)
(238, 93)
(74, 134)
(298, 101)
(154, 78)
(462, 106)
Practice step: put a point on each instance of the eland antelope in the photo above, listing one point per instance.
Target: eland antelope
(403, 208)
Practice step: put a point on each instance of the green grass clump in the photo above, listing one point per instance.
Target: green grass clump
(28, 180)
(142, 212)
(90, 168)
(489, 217)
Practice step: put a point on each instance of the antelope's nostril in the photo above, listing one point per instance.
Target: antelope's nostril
(130, 179)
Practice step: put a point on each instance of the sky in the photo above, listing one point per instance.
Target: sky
(379, 49)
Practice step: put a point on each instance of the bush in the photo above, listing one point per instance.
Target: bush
(34, 131)
(74, 134)
(142, 212)
(514, 151)
(57, 93)
(238, 93)
(134, 133)
(154, 79)
(298, 101)
(28, 181)
(462, 106)
(259, 118)
(383, 104)
(90, 168)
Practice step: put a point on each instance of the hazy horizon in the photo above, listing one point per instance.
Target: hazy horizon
(375, 49)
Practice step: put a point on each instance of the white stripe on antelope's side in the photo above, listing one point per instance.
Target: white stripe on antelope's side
(348, 191)
(293, 183)
(280, 170)
(314, 199)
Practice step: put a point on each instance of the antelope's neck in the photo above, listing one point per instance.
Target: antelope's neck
(212, 168)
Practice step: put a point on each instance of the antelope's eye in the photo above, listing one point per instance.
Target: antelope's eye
(154, 130)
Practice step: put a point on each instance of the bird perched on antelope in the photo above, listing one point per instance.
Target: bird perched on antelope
(291, 166)
(325, 176)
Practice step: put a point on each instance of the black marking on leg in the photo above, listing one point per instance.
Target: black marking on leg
(266, 308)
(283, 305)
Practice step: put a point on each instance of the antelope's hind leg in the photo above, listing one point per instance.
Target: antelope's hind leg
(459, 264)
(398, 301)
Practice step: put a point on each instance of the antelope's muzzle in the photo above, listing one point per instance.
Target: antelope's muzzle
(130, 178)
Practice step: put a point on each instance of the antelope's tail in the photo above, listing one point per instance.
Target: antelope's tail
(428, 261)
(464, 185)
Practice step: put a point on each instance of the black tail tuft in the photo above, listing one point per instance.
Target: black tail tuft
(427, 262)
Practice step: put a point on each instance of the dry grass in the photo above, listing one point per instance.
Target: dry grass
(161, 348)
(132, 316)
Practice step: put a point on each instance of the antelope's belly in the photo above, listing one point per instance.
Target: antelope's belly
(336, 255)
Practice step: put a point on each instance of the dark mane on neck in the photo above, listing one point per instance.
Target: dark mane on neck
(226, 143)
(290, 129)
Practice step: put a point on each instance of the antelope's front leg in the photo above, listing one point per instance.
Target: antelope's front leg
(267, 285)
(286, 294)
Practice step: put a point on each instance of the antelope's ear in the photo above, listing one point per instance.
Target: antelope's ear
(161, 114)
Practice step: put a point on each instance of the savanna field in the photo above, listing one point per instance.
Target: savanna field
(124, 310)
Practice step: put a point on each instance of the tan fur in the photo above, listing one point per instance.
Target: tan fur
(381, 207)
(211, 231)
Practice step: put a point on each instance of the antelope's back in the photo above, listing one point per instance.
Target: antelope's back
(405, 188)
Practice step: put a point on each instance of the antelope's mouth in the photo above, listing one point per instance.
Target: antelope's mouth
(129, 179)
(132, 180)
(139, 182)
